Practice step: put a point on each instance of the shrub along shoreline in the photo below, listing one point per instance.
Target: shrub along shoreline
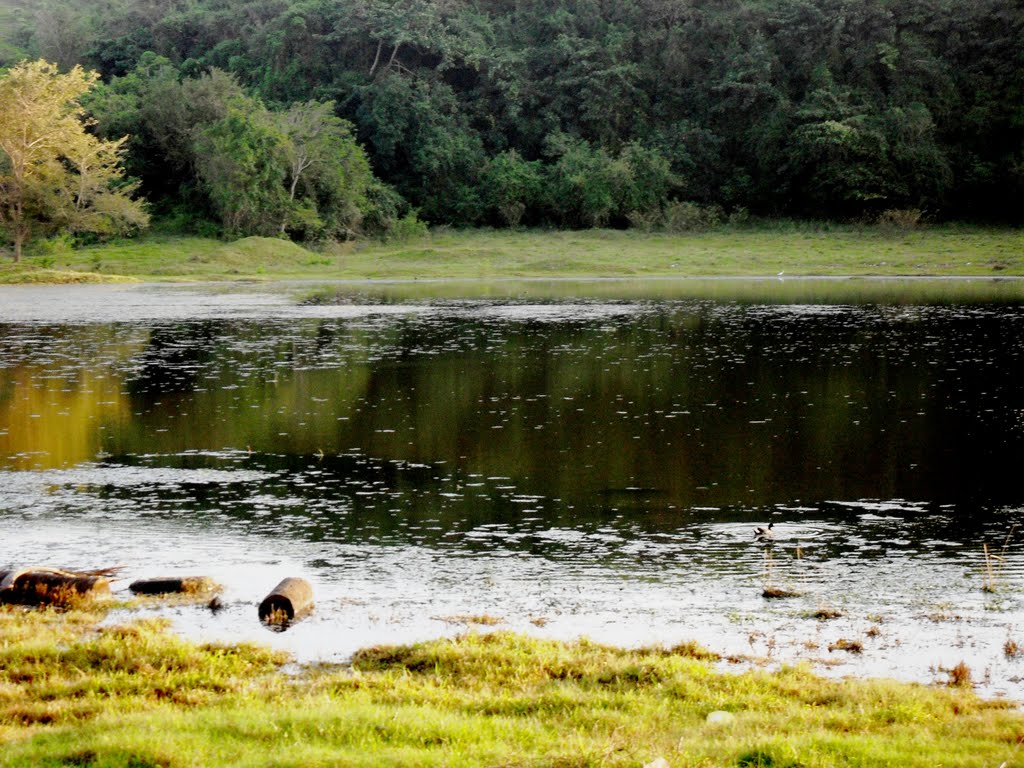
(768, 249)
(78, 690)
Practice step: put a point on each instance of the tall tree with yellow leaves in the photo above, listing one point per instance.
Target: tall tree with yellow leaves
(54, 174)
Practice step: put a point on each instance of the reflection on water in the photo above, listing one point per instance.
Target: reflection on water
(574, 465)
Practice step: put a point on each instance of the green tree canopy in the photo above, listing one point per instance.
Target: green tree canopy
(819, 108)
(208, 143)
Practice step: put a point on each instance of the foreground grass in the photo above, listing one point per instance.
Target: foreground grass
(72, 693)
(483, 254)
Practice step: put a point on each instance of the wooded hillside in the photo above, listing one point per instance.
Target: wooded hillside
(572, 113)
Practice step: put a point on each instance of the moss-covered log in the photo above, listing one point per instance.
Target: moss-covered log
(169, 585)
(49, 586)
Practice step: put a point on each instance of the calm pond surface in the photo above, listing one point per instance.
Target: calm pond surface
(567, 458)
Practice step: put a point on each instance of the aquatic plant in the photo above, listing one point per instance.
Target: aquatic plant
(994, 563)
(825, 613)
(770, 589)
(483, 619)
(960, 676)
(850, 646)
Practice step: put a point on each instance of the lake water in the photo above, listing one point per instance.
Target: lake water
(565, 458)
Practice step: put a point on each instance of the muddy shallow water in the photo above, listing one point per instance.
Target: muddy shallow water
(565, 458)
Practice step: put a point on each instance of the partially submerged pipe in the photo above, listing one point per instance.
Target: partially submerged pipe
(290, 600)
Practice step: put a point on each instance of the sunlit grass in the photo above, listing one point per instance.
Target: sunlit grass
(28, 273)
(741, 252)
(764, 250)
(73, 692)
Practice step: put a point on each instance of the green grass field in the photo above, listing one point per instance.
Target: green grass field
(792, 249)
(78, 692)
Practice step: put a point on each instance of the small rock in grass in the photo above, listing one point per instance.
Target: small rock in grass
(720, 717)
(658, 762)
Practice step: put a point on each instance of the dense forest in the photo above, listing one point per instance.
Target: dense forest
(323, 118)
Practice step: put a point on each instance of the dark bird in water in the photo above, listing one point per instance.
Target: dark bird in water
(764, 534)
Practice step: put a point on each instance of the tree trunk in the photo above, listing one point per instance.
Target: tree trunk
(291, 197)
(376, 59)
(394, 53)
(18, 228)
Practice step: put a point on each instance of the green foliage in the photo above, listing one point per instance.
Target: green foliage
(55, 175)
(682, 216)
(651, 180)
(58, 245)
(240, 162)
(407, 228)
(328, 173)
(512, 187)
(585, 183)
(163, 114)
(204, 145)
(383, 207)
(418, 138)
(589, 187)
(812, 108)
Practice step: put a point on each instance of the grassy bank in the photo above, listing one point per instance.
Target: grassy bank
(482, 254)
(75, 693)
(27, 273)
